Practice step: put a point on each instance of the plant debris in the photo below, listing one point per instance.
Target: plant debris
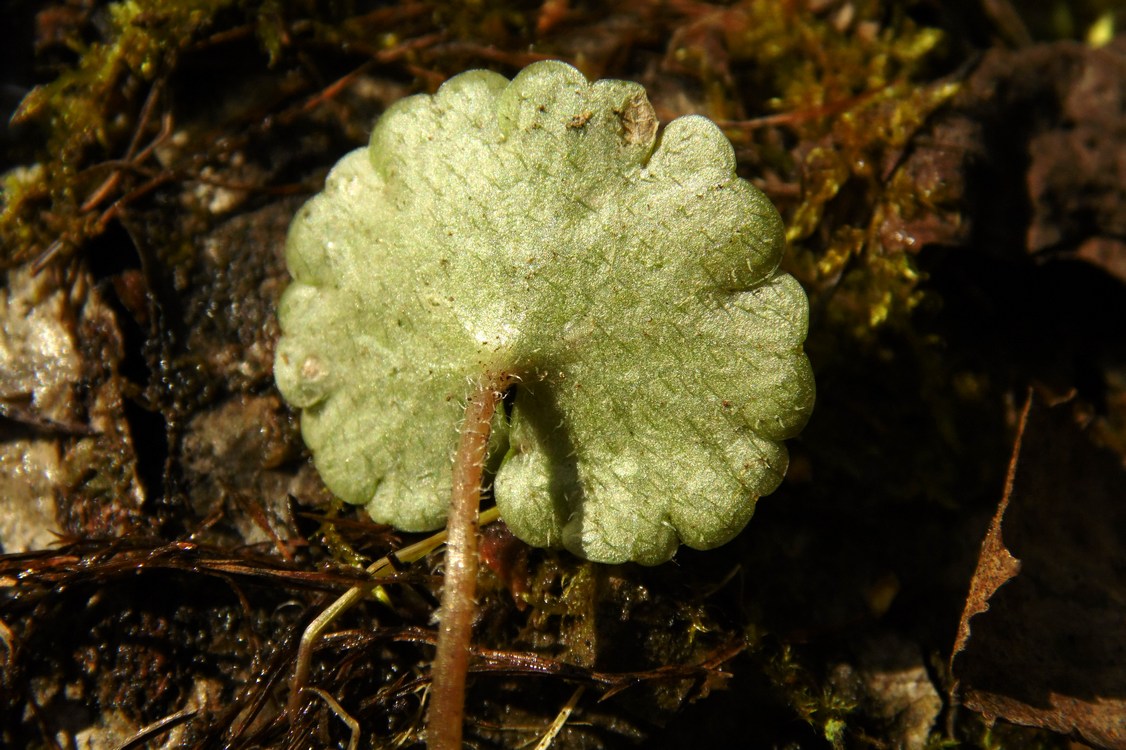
(1040, 642)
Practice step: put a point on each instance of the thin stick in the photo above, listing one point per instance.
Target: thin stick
(160, 725)
(560, 720)
(347, 718)
(451, 662)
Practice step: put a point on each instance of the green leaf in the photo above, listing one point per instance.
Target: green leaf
(541, 228)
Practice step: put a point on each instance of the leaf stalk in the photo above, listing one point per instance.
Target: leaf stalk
(445, 719)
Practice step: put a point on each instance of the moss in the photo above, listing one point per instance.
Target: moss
(270, 28)
(1069, 19)
(815, 701)
(838, 240)
(849, 85)
(85, 112)
(335, 542)
(142, 41)
(495, 22)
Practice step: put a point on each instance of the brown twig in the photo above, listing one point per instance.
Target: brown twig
(131, 155)
(158, 727)
(451, 661)
(798, 116)
(487, 661)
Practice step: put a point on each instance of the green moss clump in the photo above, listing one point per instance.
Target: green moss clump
(846, 84)
(838, 243)
(815, 701)
(81, 111)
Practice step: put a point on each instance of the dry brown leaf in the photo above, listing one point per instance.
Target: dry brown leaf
(1048, 599)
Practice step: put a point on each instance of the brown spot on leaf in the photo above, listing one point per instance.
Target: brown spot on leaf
(639, 121)
(580, 119)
